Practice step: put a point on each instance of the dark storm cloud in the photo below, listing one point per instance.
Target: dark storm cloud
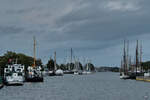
(92, 25)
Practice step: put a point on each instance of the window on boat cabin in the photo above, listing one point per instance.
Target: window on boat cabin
(8, 74)
(19, 74)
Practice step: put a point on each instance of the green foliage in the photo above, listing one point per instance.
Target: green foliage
(50, 64)
(21, 59)
(91, 66)
(146, 65)
(63, 67)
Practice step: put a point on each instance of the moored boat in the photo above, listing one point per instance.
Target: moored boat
(34, 72)
(59, 72)
(14, 74)
(123, 76)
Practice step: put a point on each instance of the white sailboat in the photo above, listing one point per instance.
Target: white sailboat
(77, 70)
(88, 69)
(58, 71)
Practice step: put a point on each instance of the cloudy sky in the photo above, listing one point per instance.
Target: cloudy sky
(95, 29)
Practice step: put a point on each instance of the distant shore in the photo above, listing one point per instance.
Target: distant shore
(107, 69)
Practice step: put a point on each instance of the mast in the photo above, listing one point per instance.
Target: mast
(121, 66)
(141, 69)
(137, 57)
(34, 50)
(127, 59)
(55, 66)
(70, 64)
(71, 55)
(87, 65)
(124, 58)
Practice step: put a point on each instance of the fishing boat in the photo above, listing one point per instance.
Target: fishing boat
(34, 72)
(14, 74)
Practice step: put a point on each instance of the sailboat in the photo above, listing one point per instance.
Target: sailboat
(137, 71)
(124, 69)
(77, 70)
(69, 71)
(34, 73)
(58, 71)
(88, 68)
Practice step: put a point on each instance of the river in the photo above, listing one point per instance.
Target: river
(98, 86)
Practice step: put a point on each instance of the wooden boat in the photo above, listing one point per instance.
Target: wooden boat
(34, 72)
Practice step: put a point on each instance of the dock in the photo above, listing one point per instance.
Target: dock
(142, 78)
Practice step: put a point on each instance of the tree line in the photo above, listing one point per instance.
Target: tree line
(50, 66)
(11, 57)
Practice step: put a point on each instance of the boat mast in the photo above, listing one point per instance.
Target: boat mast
(141, 58)
(121, 66)
(124, 59)
(70, 61)
(127, 59)
(55, 67)
(137, 57)
(87, 65)
(71, 55)
(34, 50)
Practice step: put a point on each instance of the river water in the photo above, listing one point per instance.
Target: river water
(98, 86)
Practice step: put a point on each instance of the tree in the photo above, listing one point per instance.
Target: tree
(91, 66)
(12, 57)
(50, 64)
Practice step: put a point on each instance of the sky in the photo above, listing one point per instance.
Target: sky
(95, 29)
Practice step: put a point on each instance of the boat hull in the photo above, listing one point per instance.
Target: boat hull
(1, 86)
(68, 72)
(51, 73)
(59, 72)
(35, 79)
(124, 77)
(14, 83)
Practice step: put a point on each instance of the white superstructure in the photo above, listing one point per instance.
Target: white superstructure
(14, 74)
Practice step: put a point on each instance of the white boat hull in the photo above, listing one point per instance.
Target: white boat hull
(59, 72)
(124, 76)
